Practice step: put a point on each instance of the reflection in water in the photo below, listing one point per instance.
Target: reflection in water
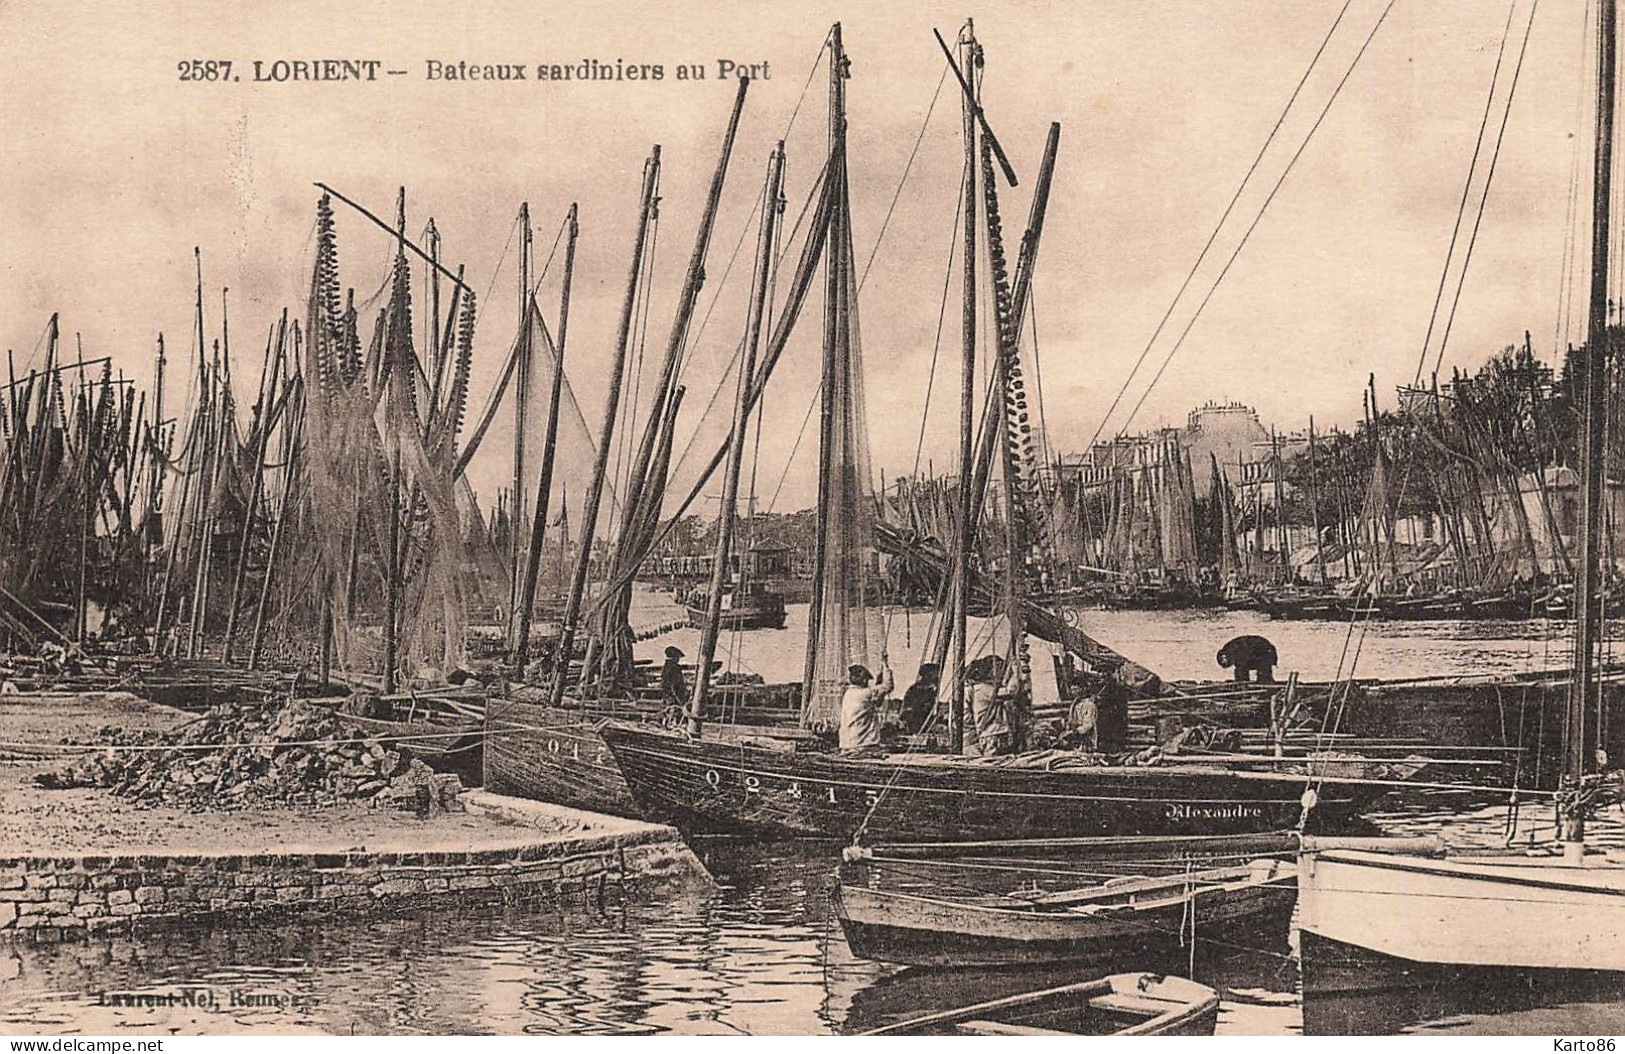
(763, 954)
(1485, 1003)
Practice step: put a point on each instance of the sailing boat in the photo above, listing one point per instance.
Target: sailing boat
(1556, 912)
(544, 745)
(776, 788)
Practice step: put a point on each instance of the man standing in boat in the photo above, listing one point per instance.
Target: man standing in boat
(920, 699)
(992, 702)
(1111, 708)
(673, 688)
(861, 705)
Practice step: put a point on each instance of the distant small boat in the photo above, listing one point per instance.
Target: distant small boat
(926, 928)
(751, 608)
(1125, 1004)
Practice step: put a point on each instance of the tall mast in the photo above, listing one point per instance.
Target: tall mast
(1584, 692)
(736, 450)
(963, 542)
(1280, 508)
(270, 370)
(544, 484)
(612, 402)
(433, 346)
(393, 564)
(291, 432)
(203, 519)
(834, 283)
(521, 411)
(642, 501)
(86, 524)
(155, 492)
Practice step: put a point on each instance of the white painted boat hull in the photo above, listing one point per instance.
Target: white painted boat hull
(1515, 912)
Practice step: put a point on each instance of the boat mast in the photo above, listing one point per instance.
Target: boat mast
(544, 484)
(963, 542)
(595, 490)
(736, 452)
(1314, 505)
(521, 411)
(292, 432)
(270, 370)
(645, 489)
(155, 463)
(834, 285)
(1584, 691)
(393, 565)
(1284, 557)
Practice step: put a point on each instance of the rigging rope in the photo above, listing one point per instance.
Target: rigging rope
(1356, 623)
(1466, 191)
(1489, 179)
(1263, 209)
(1236, 197)
(903, 180)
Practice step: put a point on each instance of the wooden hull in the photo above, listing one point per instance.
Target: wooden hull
(1501, 912)
(1457, 606)
(741, 618)
(1349, 991)
(1138, 1004)
(933, 930)
(711, 786)
(543, 754)
(1161, 600)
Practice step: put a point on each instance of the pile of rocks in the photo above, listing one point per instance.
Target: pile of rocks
(280, 752)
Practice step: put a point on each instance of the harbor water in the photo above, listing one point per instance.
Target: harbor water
(762, 954)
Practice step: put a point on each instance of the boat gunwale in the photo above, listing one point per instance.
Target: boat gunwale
(1178, 1013)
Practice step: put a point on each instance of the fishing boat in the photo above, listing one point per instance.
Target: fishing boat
(545, 753)
(781, 790)
(951, 905)
(544, 741)
(1125, 1004)
(1562, 910)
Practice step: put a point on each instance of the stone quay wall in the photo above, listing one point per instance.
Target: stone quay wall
(47, 898)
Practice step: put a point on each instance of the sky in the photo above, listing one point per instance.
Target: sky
(114, 170)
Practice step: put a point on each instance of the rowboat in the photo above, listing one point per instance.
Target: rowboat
(750, 607)
(1087, 923)
(1125, 1004)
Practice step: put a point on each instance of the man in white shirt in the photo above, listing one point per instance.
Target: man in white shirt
(861, 706)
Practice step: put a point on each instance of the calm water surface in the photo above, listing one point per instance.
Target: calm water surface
(762, 954)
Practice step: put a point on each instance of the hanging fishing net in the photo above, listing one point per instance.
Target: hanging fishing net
(846, 624)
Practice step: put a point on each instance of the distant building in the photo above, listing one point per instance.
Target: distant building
(1227, 431)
